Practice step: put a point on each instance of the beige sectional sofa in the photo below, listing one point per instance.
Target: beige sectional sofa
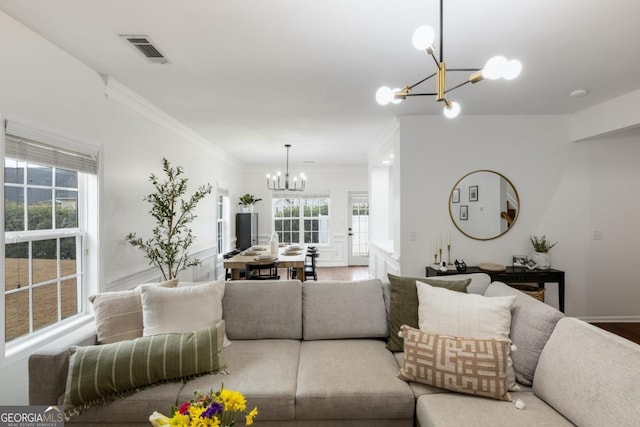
(314, 354)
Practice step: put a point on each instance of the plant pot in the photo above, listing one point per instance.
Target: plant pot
(542, 260)
(246, 208)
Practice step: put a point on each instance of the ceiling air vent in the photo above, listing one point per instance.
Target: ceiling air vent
(144, 45)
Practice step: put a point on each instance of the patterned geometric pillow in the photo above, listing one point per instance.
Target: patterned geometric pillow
(99, 373)
(465, 365)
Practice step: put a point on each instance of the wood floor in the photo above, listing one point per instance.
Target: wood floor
(337, 273)
(343, 273)
(630, 331)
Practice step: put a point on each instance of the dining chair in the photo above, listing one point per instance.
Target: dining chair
(310, 267)
(262, 270)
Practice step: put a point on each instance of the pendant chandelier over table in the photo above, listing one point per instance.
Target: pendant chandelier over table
(423, 39)
(275, 182)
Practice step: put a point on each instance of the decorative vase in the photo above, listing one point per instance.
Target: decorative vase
(542, 260)
(274, 244)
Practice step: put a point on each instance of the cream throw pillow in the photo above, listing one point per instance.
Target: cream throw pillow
(118, 314)
(445, 312)
(182, 309)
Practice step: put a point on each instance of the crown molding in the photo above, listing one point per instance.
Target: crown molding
(118, 92)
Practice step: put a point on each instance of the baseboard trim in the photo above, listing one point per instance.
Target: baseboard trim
(611, 319)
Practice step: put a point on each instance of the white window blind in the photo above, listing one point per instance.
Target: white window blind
(37, 152)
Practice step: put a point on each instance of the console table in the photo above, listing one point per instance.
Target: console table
(514, 275)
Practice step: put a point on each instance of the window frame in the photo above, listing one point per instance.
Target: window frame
(85, 232)
(223, 223)
(301, 201)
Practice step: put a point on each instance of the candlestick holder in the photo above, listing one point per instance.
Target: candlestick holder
(449, 254)
(435, 258)
(440, 259)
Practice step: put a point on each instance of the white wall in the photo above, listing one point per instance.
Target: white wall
(43, 86)
(567, 190)
(337, 182)
(614, 205)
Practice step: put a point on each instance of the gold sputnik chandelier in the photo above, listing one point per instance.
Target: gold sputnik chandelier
(423, 39)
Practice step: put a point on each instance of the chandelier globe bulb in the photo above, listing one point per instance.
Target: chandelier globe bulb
(384, 95)
(494, 68)
(512, 69)
(451, 110)
(423, 37)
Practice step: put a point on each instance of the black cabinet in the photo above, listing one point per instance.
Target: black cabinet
(246, 230)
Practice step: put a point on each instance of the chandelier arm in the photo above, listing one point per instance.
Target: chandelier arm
(435, 60)
(422, 81)
(422, 94)
(456, 87)
(464, 69)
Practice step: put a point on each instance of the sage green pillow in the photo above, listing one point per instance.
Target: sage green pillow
(103, 372)
(403, 309)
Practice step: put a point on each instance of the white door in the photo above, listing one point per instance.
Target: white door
(358, 231)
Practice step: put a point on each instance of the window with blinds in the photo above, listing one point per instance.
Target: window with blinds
(46, 192)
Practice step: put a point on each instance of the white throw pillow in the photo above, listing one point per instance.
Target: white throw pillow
(118, 314)
(457, 314)
(182, 309)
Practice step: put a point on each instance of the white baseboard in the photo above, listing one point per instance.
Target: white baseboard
(611, 319)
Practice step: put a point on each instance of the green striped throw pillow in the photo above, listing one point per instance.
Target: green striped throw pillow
(104, 372)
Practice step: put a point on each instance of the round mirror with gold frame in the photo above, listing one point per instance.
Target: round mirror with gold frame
(484, 205)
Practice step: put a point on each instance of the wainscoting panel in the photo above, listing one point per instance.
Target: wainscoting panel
(204, 272)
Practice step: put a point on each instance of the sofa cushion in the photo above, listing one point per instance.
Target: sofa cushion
(466, 365)
(453, 409)
(479, 281)
(119, 314)
(351, 379)
(257, 309)
(456, 314)
(129, 410)
(532, 322)
(264, 371)
(99, 373)
(335, 309)
(403, 309)
(589, 375)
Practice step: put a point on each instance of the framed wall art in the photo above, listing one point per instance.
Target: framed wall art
(464, 212)
(473, 193)
(455, 195)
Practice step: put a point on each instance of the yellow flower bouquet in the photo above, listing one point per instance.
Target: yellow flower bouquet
(217, 409)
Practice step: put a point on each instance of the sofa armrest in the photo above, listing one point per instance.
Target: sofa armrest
(48, 366)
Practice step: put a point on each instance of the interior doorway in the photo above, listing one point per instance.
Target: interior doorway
(358, 228)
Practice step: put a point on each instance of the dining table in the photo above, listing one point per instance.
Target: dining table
(289, 256)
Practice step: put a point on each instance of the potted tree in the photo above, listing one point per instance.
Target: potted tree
(541, 246)
(168, 248)
(247, 201)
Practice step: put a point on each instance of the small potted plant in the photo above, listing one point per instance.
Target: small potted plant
(541, 246)
(247, 201)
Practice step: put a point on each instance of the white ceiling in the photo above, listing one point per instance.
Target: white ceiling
(252, 75)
